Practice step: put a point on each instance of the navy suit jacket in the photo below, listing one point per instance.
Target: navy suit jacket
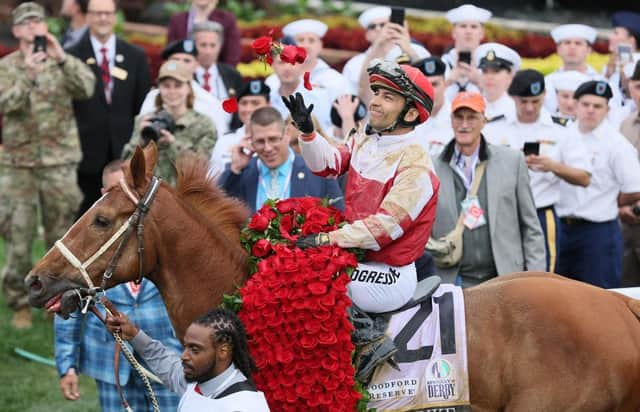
(303, 183)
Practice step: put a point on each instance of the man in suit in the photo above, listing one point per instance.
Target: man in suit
(76, 12)
(220, 79)
(91, 350)
(276, 172)
(105, 121)
(502, 233)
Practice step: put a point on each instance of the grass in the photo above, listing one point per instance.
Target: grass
(29, 386)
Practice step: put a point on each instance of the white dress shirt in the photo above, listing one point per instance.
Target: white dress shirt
(437, 130)
(503, 106)
(218, 89)
(615, 169)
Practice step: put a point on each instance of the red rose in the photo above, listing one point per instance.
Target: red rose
(262, 45)
(258, 223)
(307, 82)
(301, 54)
(230, 105)
(288, 54)
(318, 288)
(287, 205)
(261, 248)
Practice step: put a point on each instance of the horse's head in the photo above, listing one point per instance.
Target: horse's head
(105, 237)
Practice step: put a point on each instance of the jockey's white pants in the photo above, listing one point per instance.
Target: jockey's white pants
(377, 287)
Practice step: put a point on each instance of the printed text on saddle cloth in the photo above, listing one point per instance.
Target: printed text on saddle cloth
(432, 355)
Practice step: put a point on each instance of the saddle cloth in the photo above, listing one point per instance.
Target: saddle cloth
(432, 355)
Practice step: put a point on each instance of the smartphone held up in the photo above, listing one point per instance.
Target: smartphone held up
(39, 44)
(397, 15)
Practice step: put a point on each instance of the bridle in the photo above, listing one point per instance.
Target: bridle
(135, 221)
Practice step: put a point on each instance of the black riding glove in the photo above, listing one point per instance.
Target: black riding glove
(300, 114)
(320, 239)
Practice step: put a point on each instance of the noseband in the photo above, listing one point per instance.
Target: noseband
(135, 221)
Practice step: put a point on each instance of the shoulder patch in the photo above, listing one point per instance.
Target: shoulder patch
(562, 121)
(496, 118)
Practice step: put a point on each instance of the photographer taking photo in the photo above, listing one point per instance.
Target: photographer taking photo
(174, 125)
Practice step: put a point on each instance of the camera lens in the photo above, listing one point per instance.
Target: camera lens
(636, 210)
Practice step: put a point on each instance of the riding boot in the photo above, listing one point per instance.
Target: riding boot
(373, 347)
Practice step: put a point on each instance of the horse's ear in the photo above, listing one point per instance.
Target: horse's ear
(138, 168)
(151, 157)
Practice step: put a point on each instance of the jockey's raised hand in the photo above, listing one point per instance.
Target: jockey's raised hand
(300, 113)
(318, 239)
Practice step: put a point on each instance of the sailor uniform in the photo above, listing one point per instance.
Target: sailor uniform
(437, 130)
(591, 240)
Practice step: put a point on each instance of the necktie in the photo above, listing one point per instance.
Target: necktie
(274, 186)
(197, 389)
(104, 72)
(206, 76)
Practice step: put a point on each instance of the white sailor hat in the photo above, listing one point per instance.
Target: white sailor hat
(571, 31)
(374, 13)
(566, 80)
(305, 26)
(468, 12)
(497, 55)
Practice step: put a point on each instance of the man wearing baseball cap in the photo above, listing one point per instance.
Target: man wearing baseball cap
(501, 234)
(41, 145)
(389, 205)
(591, 244)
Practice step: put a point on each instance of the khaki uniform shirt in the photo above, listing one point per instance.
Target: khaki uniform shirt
(39, 127)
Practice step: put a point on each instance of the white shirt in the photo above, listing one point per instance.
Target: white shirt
(353, 67)
(204, 103)
(221, 154)
(503, 106)
(557, 142)
(451, 59)
(615, 168)
(551, 99)
(218, 89)
(319, 98)
(437, 130)
(110, 45)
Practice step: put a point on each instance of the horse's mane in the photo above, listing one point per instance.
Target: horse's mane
(196, 187)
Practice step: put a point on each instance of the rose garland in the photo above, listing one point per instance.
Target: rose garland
(294, 308)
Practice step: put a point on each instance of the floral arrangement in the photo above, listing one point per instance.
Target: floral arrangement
(294, 307)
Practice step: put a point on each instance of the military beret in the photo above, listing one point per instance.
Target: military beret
(254, 88)
(359, 114)
(627, 19)
(27, 10)
(431, 66)
(186, 46)
(527, 83)
(597, 88)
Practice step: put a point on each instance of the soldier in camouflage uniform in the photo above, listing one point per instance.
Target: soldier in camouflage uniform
(41, 146)
(193, 131)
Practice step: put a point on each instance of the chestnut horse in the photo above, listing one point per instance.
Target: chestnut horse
(536, 342)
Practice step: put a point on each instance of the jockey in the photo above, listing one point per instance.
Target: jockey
(390, 197)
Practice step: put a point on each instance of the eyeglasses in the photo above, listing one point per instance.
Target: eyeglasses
(374, 26)
(101, 13)
(260, 144)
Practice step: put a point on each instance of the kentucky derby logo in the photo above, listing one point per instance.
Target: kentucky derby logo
(438, 384)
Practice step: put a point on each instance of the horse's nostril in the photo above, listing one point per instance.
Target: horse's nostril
(33, 283)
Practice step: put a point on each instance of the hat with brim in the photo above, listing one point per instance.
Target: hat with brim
(175, 70)
(468, 100)
(26, 11)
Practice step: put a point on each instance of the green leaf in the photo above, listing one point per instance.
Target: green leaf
(232, 302)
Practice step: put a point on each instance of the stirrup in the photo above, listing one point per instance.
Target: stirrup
(373, 354)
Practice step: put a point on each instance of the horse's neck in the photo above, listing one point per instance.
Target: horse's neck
(195, 267)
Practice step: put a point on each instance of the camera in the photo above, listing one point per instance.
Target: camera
(636, 210)
(160, 121)
(39, 44)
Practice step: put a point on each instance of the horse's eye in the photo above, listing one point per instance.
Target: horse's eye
(101, 221)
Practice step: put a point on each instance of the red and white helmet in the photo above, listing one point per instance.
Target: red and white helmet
(405, 80)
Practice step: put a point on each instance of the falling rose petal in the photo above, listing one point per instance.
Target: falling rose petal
(230, 105)
(307, 83)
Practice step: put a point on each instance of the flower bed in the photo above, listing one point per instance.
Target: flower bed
(294, 307)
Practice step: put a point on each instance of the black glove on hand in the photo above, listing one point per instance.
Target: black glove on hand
(300, 113)
(320, 239)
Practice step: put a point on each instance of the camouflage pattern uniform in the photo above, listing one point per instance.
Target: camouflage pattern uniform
(194, 132)
(41, 151)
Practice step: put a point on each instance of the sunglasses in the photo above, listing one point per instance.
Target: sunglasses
(373, 26)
